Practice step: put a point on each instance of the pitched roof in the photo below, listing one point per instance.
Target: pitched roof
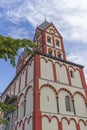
(10, 98)
(23, 54)
(44, 25)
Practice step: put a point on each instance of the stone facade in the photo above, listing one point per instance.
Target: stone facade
(50, 90)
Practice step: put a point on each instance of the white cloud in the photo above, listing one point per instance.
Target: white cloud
(9, 3)
(68, 15)
(16, 32)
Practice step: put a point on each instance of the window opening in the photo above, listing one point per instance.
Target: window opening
(50, 52)
(67, 102)
(49, 39)
(72, 73)
(57, 42)
(59, 55)
(48, 98)
(22, 109)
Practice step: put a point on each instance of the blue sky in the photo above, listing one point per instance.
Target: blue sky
(19, 18)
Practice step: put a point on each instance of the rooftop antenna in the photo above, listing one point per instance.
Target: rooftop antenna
(36, 25)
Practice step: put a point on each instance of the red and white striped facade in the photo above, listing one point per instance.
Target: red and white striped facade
(42, 84)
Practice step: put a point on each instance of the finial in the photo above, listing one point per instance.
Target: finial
(45, 18)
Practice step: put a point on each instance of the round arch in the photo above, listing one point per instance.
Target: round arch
(77, 92)
(27, 91)
(20, 97)
(66, 90)
(50, 86)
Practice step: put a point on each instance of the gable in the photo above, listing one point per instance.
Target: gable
(51, 29)
(37, 34)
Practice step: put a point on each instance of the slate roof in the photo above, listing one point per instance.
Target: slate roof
(44, 25)
(10, 98)
(23, 54)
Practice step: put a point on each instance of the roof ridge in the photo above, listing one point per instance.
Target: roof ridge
(43, 25)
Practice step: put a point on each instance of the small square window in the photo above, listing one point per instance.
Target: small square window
(57, 42)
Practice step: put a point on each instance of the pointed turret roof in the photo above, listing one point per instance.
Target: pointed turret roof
(24, 54)
(44, 25)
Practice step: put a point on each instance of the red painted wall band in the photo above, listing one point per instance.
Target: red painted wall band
(44, 50)
(83, 81)
(37, 114)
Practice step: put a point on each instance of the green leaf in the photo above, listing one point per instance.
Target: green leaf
(9, 47)
(3, 121)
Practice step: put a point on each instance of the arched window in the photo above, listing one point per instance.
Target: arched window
(40, 41)
(22, 109)
(8, 124)
(48, 39)
(72, 73)
(57, 42)
(59, 55)
(50, 52)
(68, 103)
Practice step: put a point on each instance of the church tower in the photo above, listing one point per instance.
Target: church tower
(49, 40)
(50, 91)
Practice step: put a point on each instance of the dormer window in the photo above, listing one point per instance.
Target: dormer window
(59, 55)
(48, 39)
(50, 52)
(72, 74)
(57, 42)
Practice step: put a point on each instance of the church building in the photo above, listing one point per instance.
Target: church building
(48, 91)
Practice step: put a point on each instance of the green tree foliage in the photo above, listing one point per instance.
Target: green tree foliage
(9, 50)
(9, 47)
(5, 109)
